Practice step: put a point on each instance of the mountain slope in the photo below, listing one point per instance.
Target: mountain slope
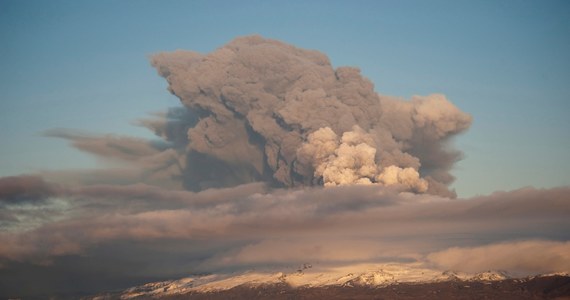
(369, 281)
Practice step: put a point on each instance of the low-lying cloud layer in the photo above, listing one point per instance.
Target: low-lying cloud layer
(275, 159)
(254, 226)
(525, 257)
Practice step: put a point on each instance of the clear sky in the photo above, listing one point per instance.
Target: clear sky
(84, 65)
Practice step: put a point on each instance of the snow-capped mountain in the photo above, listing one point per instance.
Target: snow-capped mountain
(309, 276)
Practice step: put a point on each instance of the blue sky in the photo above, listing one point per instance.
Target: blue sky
(84, 65)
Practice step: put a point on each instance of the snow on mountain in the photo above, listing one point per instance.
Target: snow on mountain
(310, 276)
(490, 276)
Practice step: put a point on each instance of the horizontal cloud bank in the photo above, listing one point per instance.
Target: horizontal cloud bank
(525, 257)
(262, 226)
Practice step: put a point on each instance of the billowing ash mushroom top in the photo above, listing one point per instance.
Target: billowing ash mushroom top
(270, 111)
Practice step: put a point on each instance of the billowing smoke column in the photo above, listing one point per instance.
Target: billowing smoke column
(351, 160)
(268, 111)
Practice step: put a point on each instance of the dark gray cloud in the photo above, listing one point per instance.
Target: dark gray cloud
(253, 107)
(25, 189)
(109, 146)
(129, 159)
(258, 100)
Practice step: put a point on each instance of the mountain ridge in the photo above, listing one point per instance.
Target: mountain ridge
(307, 278)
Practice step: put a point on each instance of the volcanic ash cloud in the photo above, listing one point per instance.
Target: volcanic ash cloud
(351, 160)
(268, 111)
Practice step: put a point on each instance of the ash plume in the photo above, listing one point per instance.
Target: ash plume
(210, 194)
(257, 105)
